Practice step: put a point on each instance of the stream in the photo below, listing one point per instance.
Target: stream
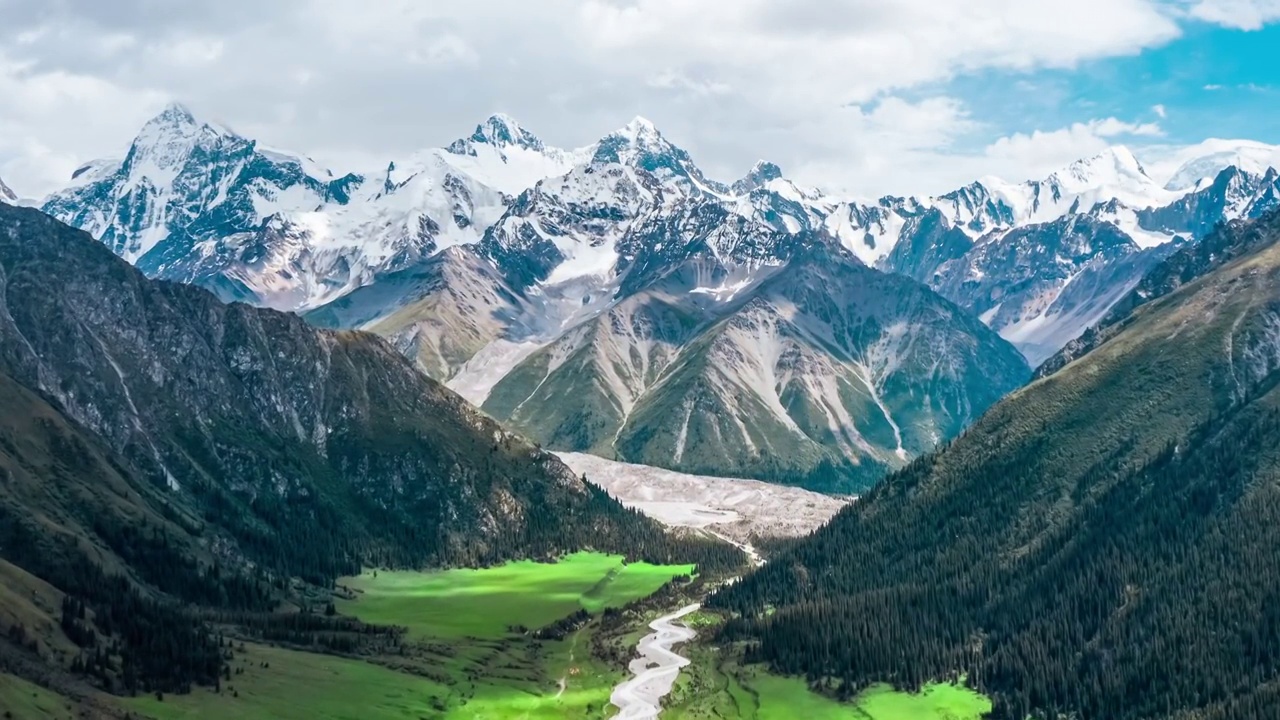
(654, 672)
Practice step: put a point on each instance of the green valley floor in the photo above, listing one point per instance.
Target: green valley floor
(717, 685)
(467, 654)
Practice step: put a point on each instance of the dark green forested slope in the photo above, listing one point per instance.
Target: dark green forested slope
(1101, 544)
(161, 451)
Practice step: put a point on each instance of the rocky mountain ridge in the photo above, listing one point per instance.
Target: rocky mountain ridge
(495, 260)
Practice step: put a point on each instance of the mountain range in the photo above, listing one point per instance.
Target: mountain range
(616, 300)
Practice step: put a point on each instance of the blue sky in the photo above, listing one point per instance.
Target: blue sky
(858, 96)
(1211, 82)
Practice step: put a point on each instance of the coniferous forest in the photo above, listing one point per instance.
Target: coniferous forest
(1101, 544)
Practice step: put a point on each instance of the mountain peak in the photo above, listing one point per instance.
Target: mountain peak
(176, 112)
(1204, 161)
(759, 176)
(1117, 160)
(1113, 173)
(176, 122)
(499, 130)
(640, 127)
(174, 116)
(637, 142)
(6, 194)
(165, 144)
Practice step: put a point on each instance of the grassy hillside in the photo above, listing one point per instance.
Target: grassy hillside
(1100, 543)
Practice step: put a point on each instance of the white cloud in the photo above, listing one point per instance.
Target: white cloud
(819, 87)
(1112, 127)
(1238, 14)
(1160, 111)
(54, 121)
(811, 54)
(1041, 152)
(679, 82)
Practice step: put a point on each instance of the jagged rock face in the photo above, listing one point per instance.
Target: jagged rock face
(191, 195)
(1232, 194)
(1042, 285)
(6, 194)
(498, 131)
(641, 146)
(761, 174)
(1190, 262)
(259, 419)
(1042, 261)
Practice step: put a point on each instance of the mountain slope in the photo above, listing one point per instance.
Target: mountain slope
(1113, 524)
(164, 445)
(784, 361)
(1041, 285)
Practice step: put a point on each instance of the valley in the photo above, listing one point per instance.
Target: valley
(464, 422)
(468, 650)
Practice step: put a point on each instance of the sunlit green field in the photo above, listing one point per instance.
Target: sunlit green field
(485, 603)
(475, 666)
(784, 698)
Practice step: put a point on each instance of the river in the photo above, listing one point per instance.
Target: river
(654, 672)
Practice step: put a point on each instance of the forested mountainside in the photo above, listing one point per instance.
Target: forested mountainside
(161, 450)
(1100, 544)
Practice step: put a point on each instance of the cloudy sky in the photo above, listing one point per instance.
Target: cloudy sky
(862, 96)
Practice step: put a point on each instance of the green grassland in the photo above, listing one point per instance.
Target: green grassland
(464, 661)
(27, 701)
(485, 603)
(299, 684)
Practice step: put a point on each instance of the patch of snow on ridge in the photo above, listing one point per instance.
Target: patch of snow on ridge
(737, 508)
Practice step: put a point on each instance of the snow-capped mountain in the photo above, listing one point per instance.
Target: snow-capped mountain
(1205, 160)
(991, 247)
(195, 202)
(590, 296)
(7, 195)
(633, 287)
